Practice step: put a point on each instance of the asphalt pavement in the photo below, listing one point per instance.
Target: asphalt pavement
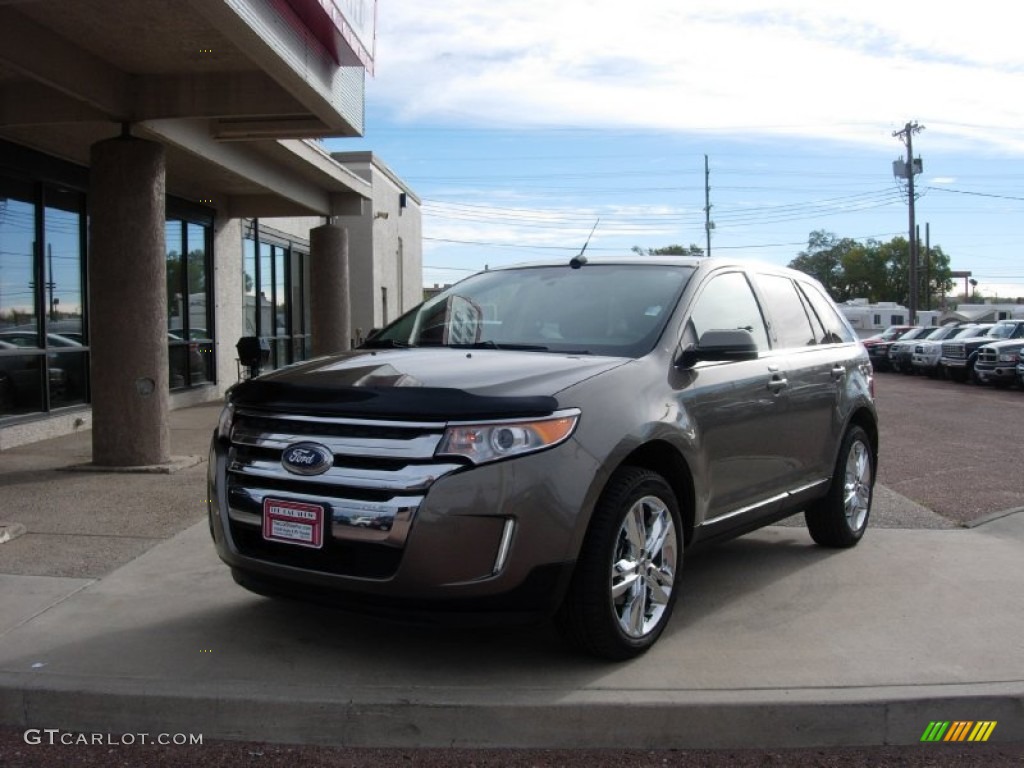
(117, 617)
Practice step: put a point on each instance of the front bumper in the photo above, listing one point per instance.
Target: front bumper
(996, 375)
(493, 538)
(923, 360)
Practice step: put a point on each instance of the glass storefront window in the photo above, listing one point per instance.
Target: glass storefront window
(189, 321)
(17, 256)
(276, 294)
(21, 381)
(44, 360)
(249, 285)
(62, 264)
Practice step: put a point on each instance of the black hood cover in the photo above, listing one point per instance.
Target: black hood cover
(390, 403)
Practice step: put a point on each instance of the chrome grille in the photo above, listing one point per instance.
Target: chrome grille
(953, 349)
(988, 356)
(380, 473)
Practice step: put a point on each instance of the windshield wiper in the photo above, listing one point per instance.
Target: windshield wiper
(496, 345)
(384, 344)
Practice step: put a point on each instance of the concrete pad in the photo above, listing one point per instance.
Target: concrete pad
(775, 642)
(71, 556)
(23, 597)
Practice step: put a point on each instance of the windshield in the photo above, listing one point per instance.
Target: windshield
(1006, 331)
(605, 309)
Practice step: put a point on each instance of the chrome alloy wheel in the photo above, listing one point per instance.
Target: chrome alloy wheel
(644, 566)
(857, 487)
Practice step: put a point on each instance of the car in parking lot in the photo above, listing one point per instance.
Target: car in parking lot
(549, 440)
(997, 362)
(960, 355)
(878, 345)
(901, 350)
(927, 355)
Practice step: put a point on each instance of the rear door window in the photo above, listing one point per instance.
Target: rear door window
(837, 331)
(789, 322)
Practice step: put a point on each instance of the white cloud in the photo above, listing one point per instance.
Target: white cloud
(850, 70)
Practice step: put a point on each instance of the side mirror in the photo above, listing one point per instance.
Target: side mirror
(720, 345)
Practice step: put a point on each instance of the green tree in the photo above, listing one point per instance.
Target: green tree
(670, 250)
(872, 270)
(823, 260)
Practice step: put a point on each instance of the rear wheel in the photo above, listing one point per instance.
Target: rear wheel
(841, 517)
(624, 586)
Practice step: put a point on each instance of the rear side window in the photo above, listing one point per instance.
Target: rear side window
(837, 330)
(790, 324)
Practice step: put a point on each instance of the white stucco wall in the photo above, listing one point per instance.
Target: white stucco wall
(385, 246)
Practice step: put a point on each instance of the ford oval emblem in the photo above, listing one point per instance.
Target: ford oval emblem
(307, 458)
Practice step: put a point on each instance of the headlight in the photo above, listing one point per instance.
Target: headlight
(225, 422)
(490, 441)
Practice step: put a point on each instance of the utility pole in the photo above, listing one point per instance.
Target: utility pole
(928, 263)
(907, 171)
(708, 223)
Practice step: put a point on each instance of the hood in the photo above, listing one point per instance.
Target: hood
(1010, 344)
(434, 382)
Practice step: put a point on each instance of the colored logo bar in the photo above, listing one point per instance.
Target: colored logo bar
(958, 730)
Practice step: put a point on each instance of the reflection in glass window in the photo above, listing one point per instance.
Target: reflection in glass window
(43, 357)
(276, 290)
(189, 308)
(727, 303)
(249, 285)
(280, 294)
(21, 381)
(17, 256)
(790, 324)
(62, 264)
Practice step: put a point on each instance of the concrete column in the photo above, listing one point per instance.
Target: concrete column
(128, 304)
(330, 307)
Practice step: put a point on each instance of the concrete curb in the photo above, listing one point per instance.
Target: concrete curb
(435, 717)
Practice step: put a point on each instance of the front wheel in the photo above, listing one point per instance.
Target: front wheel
(840, 518)
(624, 585)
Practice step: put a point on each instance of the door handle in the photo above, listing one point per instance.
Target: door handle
(838, 373)
(778, 383)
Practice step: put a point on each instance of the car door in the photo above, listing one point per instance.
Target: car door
(816, 372)
(734, 408)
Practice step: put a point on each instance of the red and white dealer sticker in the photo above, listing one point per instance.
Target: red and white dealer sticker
(292, 522)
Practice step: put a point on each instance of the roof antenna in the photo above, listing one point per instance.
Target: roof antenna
(579, 259)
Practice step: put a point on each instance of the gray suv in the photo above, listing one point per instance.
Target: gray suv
(548, 440)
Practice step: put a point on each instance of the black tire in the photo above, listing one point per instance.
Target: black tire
(958, 375)
(840, 518)
(624, 585)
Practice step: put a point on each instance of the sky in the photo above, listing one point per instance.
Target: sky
(523, 125)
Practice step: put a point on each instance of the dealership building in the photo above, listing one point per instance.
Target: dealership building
(165, 191)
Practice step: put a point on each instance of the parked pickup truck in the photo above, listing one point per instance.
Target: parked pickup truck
(901, 350)
(997, 362)
(927, 355)
(960, 355)
(878, 345)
